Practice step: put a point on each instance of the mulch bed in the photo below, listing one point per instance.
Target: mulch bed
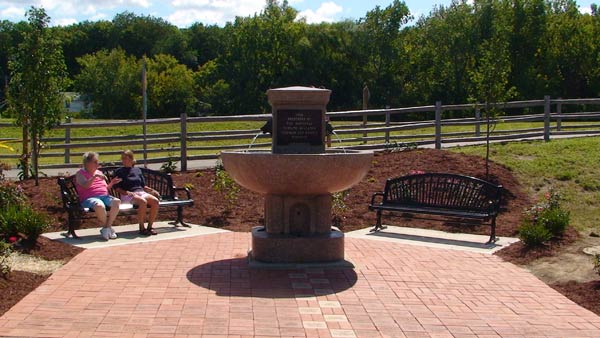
(17, 286)
(212, 209)
(585, 294)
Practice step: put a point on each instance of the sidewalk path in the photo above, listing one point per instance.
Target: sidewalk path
(201, 286)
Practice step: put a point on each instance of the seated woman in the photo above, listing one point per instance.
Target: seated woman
(92, 189)
(133, 190)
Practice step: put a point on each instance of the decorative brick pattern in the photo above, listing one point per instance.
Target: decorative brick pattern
(202, 287)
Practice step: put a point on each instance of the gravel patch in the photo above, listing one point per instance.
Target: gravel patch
(33, 264)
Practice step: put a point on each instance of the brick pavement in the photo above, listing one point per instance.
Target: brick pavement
(201, 287)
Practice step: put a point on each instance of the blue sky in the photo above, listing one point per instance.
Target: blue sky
(183, 13)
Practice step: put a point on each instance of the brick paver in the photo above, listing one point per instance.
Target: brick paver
(202, 287)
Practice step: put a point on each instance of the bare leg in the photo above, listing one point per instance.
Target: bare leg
(141, 214)
(100, 211)
(153, 205)
(114, 211)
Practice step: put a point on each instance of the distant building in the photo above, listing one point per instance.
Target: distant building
(74, 102)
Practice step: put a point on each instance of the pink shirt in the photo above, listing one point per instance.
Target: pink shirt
(99, 186)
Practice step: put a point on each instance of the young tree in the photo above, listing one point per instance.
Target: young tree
(490, 84)
(38, 76)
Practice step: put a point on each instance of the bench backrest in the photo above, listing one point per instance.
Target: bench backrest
(441, 190)
(69, 195)
(161, 182)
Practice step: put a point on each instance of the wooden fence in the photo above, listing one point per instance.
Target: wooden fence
(359, 129)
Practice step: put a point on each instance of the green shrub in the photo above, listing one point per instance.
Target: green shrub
(533, 234)
(169, 167)
(555, 220)
(10, 194)
(22, 219)
(548, 214)
(5, 251)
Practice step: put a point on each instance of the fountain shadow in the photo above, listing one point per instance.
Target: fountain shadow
(235, 278)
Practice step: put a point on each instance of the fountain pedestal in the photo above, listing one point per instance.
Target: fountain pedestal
(298, 178)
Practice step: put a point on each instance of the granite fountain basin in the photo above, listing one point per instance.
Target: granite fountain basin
(297, 174)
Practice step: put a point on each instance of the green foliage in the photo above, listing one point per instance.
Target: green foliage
(338, 203)
(225, 185)
(169, 167)
(38, 77)
(539, 47)
(555, 220)
(534, 234)
(22, 219)
(171, 86)
(10, 194)
(596, 261)
(112, 83)
(5, 251)
(544, 220)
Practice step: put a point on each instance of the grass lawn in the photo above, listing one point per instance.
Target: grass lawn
(570, 166)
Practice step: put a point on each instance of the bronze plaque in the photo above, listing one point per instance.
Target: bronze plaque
(295, 126)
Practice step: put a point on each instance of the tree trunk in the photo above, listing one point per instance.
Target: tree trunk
(35, 151)
(487, 142)
(25, 152)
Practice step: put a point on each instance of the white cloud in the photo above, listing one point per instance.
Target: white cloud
(211, 11)
(13, 13)
(325, 13)
(585, 10)
(65, 22)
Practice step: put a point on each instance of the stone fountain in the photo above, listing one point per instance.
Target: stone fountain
(298, 177)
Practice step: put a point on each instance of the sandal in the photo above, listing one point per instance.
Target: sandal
(151, 231)
(144, 232)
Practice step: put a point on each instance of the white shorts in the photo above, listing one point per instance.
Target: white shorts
(129, 199)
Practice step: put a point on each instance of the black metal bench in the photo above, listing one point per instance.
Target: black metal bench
(161, 182)
(440, 194)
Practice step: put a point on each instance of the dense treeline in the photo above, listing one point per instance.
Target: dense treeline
(550, 48)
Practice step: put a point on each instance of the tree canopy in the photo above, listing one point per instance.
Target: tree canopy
(550, 48)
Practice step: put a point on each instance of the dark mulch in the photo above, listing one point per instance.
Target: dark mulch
(17, 286)
(212, 209)
(585, 294)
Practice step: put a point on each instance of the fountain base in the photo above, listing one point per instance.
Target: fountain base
(280, 248)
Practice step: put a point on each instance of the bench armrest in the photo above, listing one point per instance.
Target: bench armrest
(375, 196)
(186, 190)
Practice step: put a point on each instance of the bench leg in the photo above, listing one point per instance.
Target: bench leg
(71, 232)
(378, 225)
(179, 219)
(493, 238)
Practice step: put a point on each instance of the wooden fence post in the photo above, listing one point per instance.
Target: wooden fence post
(387, 124)
(68, 139)
(183, 145)
(558, 118)
(438, 125)
(365, 104)
(547, 118)
(477, 121)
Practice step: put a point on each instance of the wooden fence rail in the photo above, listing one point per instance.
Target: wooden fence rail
(357, 129)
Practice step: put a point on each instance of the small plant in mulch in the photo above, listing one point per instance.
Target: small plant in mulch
(338, 206)
(544, 221)
(225, 185)
(596, 261)
(5, 251)
(169, 167)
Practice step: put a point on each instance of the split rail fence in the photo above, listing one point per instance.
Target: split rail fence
(360, 129)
